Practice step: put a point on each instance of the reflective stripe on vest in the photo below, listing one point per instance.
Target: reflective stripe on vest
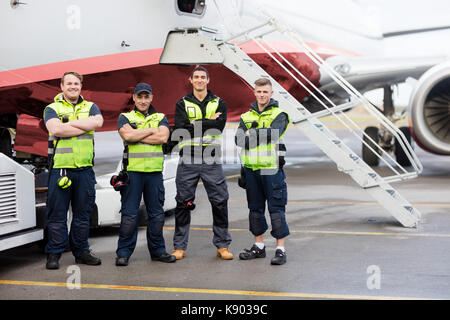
(72, 152)
(265, 155)
(138, 155)
(194, 112)
(143, 157)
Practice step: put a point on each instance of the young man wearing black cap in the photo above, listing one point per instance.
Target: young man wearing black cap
(143, 131)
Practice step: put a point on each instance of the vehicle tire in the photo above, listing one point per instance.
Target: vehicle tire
(400, 155)
(368, 156)
(5, 142)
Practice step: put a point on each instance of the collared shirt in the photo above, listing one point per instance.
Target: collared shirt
(124, 120)
(182, 119)
(51, 114)
(279, 124)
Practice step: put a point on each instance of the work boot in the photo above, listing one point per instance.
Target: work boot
(122, 261)
(224, 254)
(165, 257)
(280, 257)
(253, 253)
(87, 258)
(179, 254)
(52, 261)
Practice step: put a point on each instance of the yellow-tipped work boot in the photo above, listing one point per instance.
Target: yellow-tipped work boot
(179, 254)
(224, 254)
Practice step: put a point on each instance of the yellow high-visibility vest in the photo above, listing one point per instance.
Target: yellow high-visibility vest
(264, 155)
(143, 157)
(71, 152)
(195, 113)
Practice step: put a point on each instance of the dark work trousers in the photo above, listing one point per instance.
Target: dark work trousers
(271, 188)
(214, 181)
(81, 196)
(151, 185)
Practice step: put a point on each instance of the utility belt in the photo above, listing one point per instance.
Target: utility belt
(72, 169)
(201, 154)
(64, 181)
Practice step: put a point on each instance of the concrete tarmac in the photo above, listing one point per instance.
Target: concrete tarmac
(343, 245)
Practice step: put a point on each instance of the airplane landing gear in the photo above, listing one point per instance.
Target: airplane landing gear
(368, 155)
(385, 140)
(400, 155)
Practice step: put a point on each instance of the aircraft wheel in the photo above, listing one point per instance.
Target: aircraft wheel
(400, 155)
(368, 155)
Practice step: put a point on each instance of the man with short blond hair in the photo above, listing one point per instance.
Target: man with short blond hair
(260, 135)
(263, 82)
(71, 122)
(74, 73)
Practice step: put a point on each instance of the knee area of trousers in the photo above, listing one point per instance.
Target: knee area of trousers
(182, 217)
(220, 214)
(258, 224)
(127, 225)
(279, 226)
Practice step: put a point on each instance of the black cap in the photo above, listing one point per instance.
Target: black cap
(141, 87)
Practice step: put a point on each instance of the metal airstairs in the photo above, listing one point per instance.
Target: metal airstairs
(189, 46)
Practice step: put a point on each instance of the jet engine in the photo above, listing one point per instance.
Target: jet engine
(430, 109)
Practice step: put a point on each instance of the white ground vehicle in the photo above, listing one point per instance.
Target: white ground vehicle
(108, 200)
(17, 205)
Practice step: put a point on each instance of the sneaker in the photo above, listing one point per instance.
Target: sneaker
(122, 261)
(179, 254)
(165, 257)
(253, 253)
(224, 254)
(87, 258)
(52, 261)
(280, 258)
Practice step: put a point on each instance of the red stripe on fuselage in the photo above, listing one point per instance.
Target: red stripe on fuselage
(83, 66)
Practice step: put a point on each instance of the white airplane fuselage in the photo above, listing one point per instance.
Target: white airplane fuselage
(49, 31)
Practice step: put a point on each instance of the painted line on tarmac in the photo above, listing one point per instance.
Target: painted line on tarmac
(210, 291)
(349, 233)
(343, 203)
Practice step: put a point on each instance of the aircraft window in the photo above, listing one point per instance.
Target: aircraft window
(196, 7)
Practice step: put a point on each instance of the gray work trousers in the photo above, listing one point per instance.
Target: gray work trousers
(214, 181)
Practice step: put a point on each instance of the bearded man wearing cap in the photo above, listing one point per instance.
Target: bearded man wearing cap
(143, 131)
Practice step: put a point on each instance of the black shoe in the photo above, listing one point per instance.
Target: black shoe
(253, 253)
(53, 261)
(165, 257)
(122, 261)
(87, 258)
(280, 258)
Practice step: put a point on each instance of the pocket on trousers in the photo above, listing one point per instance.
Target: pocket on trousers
(223, 189)
(279, 194)
(220, 181)
(91, 198)
(161, 195)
